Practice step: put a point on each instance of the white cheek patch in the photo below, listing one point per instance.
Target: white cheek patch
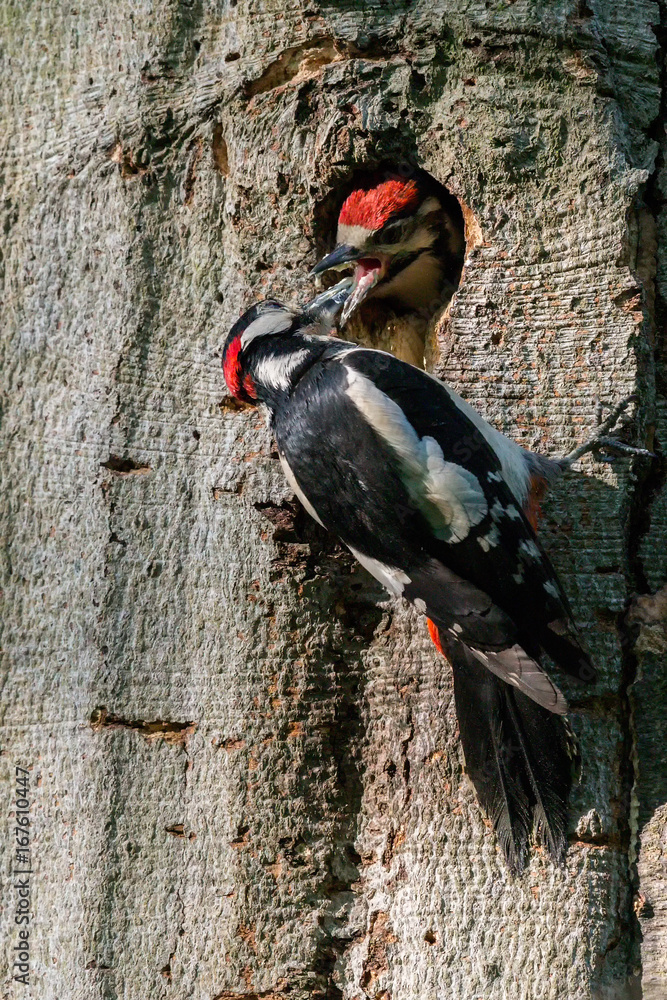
(428, 206)
(416, 284)
(276, 371)
(392, 579)
(449, 496)
(275, 321)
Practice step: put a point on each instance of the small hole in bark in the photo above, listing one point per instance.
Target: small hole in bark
(219, 150)
(232, 57)
(430, 937)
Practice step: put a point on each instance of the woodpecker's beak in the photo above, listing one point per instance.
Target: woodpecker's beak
(338, 259)
(368, 272)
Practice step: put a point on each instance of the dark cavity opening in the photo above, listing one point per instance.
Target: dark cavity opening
(417, 278)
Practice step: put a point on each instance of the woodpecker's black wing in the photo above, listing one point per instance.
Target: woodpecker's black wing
(383, 456)
(389, 461)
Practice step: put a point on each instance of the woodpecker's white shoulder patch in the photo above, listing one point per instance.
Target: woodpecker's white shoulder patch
(391, 578)
(551, 589)
(275, 371)
(275, 321)
(448, 495)
(512, 457)
(291, 479)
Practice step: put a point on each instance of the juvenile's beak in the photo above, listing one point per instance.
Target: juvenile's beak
(337, 259)
(368, 272)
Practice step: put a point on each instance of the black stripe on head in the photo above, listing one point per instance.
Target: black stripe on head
(263, 319)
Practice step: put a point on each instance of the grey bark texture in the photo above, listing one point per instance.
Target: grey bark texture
(246, 779)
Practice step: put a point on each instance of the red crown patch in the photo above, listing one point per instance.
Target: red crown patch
(371, 209)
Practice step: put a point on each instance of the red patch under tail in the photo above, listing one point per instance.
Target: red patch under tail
(532, 508)
(435, 635)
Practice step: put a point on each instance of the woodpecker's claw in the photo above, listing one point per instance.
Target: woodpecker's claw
(601, 441)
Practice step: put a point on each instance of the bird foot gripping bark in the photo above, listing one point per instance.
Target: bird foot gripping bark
(602, 444)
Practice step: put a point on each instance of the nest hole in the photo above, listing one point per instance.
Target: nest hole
(386, 321)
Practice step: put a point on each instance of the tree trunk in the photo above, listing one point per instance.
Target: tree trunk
(245, 779)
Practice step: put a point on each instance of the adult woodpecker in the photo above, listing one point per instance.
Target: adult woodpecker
(404, 237)
(435, 503)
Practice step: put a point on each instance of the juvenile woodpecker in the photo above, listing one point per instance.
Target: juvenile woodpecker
(436, 505)
(406, 245)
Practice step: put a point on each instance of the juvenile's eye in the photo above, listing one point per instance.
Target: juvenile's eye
(391, 234)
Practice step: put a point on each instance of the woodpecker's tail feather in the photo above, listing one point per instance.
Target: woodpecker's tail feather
(562, 645)
(520, 757)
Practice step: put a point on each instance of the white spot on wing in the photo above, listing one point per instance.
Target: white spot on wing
(497, 511)
(490, 540)
(291, 479)
(274, 321)
(391, 578)
(512, 457)
(530, 549)
(449, 496)
(420, 605)
(552, 589)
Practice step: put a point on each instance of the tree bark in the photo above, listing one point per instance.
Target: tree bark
(244, 768)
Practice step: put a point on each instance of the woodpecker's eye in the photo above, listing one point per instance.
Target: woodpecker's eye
(392, 234)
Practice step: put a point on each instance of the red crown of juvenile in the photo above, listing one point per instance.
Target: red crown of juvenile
(371, 209)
